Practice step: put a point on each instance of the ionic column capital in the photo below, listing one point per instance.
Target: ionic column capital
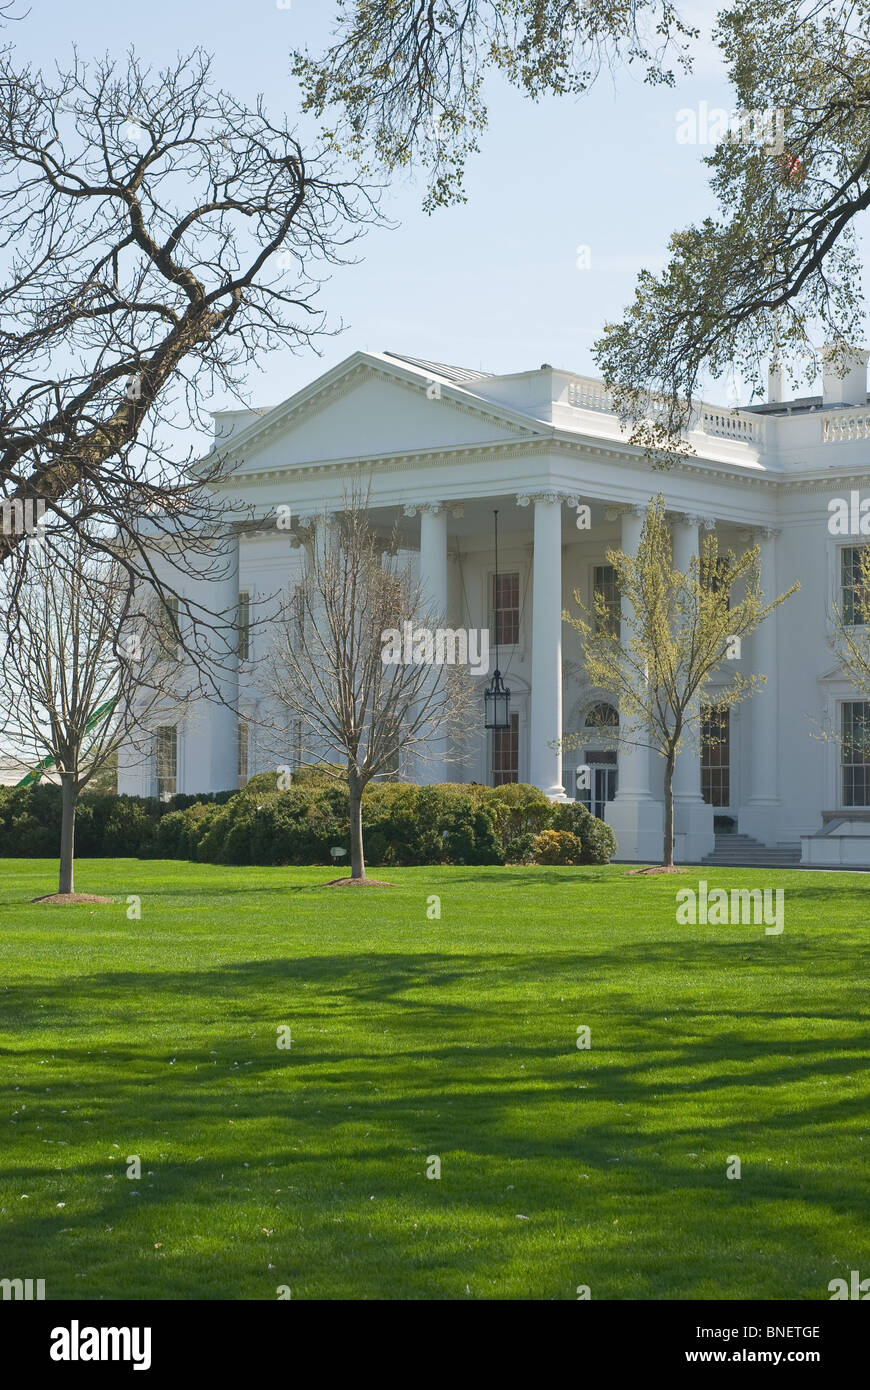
(617, 510)
(412, 508)
(551, 495)
(763, 533)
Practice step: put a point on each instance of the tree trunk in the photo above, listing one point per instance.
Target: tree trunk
(668, 848)
(357, 858)
(69, 796)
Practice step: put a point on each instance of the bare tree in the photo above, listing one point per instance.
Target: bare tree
(336, 666)
(87, 670)
(158, 237)
(677, 631)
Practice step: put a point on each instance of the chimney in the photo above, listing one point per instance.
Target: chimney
(844, 375)
(775, 387)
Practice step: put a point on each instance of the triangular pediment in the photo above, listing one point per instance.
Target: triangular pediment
(366, 408)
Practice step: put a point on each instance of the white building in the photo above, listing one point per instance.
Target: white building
(442, 448)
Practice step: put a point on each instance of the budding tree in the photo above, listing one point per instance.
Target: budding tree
(360, 704)
(87, 667)
(678, 631)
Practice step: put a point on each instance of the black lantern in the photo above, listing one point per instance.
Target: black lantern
(497, 701)
(497, 697)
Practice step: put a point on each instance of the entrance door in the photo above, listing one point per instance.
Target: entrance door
(602, 780)
(603, 789)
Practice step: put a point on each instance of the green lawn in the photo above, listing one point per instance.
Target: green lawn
(414, 1037)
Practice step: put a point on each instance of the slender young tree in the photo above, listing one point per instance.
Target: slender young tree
(678, 632)
(87, 669)
(340, 664)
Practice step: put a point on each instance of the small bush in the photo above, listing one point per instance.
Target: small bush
(596, 837)
(521, 849)
(557, 847)
(130, 830)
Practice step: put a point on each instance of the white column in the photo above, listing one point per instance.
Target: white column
(433, 558)
(636, 817)
(758, 815)
(208, 737)
(433, 766)
(693, 818)
(687, 773)
(634, 761)
(546, 722)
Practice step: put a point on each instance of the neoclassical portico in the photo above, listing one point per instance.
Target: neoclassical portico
(533, 445)
(637, 813)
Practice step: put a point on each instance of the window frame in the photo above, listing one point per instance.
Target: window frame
(164, 793)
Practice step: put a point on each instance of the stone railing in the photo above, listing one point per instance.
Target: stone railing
(588, 394)
(836, 428)
(591, 395)
(730, 424)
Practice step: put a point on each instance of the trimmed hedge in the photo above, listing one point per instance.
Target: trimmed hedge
(404, 824)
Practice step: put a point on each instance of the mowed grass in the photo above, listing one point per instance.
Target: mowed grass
(412, 1037)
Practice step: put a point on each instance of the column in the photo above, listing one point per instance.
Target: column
(636, 817)
(758, 816)
(433, 766)
(545, 730)
(208, 747)
(433, 558)
(693, 818)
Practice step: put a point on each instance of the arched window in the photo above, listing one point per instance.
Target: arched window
(601, 715)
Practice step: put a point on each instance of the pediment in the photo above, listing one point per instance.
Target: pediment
(364, 410)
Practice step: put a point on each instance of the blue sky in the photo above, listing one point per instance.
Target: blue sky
(493, 283)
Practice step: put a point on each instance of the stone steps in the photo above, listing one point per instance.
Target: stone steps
(741, 851)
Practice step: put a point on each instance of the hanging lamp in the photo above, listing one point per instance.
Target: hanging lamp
(497, 697)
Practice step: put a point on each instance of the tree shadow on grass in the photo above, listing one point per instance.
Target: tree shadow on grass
(504, 1151)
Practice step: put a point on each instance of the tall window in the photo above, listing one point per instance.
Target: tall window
(506, 609)
(604, 583)
(853, 608)
(243, 752)
(244, 625)
(855, 752)
(716, 755)
(168, 633)
(505, 753)
(167, 761)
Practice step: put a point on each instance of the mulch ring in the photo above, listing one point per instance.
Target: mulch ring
(358, 883)
(70, 899)
(658, 869)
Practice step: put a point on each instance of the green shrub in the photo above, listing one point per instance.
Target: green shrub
(30, 820)
(557, 847)
(296, 826)
(596, 837)
(130, 830)
(446, 823)
(520, 850)
(519, 809)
